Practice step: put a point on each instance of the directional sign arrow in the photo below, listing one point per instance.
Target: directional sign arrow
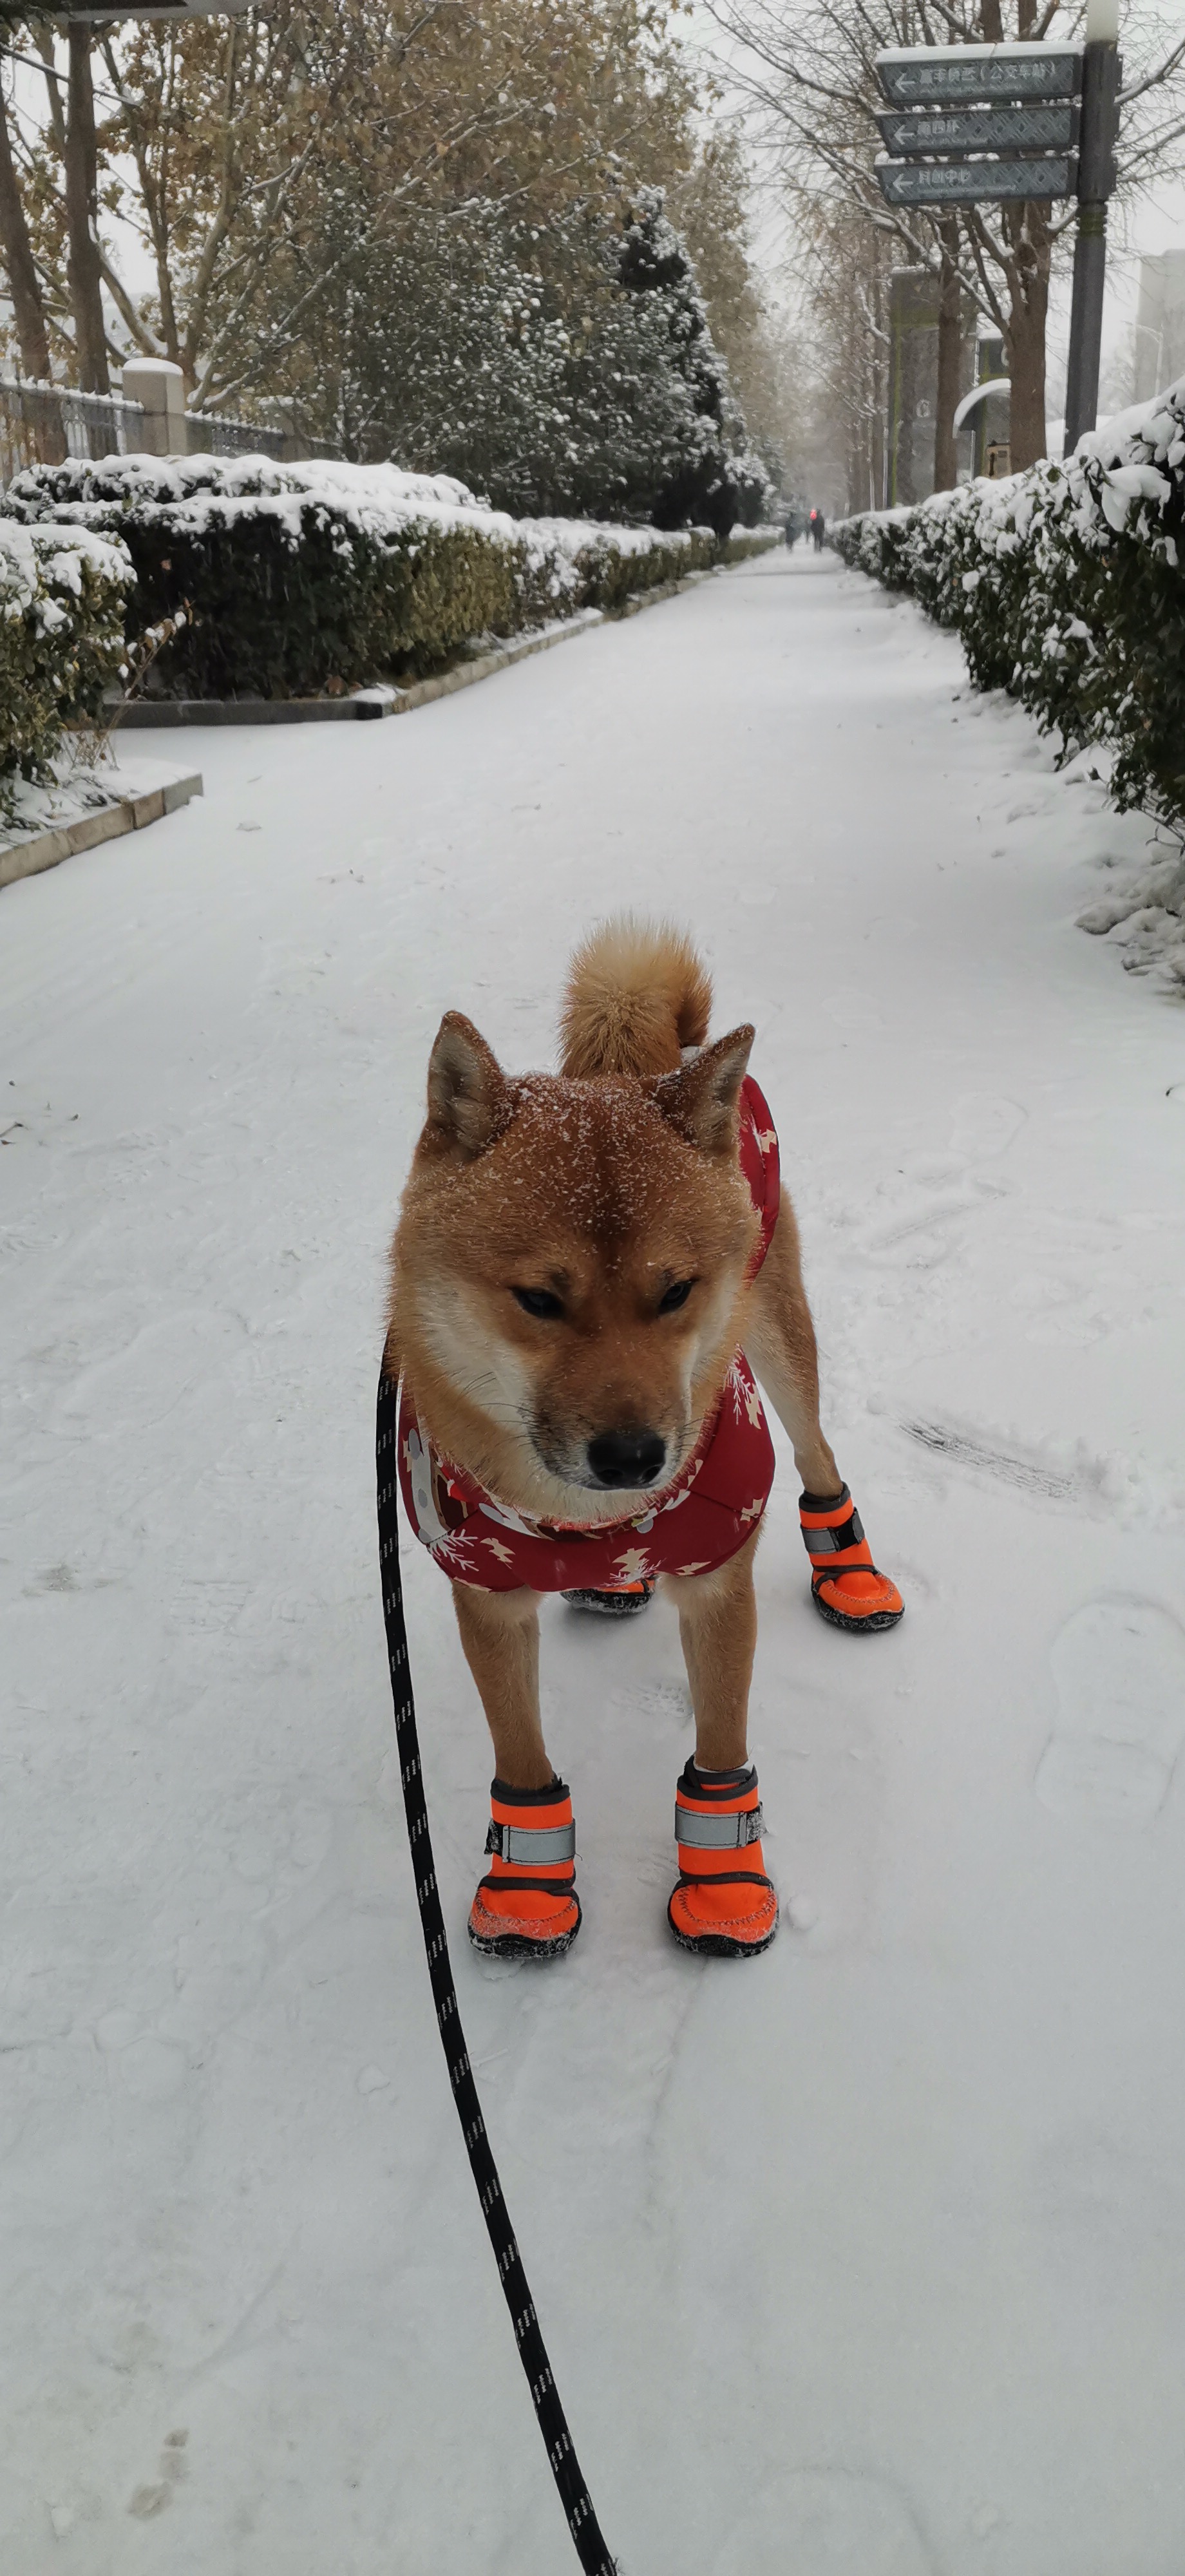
(971, 183)
(921, 75)
(920, 131)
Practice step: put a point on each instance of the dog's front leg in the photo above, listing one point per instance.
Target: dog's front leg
(500, 1635)
(718, 1631)
(724, 1905)
(526, 1905)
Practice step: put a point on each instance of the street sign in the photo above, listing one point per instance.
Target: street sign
(1036, 128)
(975, 183)
(1048, 117)
(921, 75)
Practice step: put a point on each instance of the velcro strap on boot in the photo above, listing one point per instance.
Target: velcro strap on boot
(833, 1538)
(718, 1833)
(532, 1847)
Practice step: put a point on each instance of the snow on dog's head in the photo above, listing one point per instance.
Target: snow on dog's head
(569, 1269)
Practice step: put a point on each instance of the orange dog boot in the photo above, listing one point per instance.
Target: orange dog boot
(528, 1907)
(723, 1905)
(845, 1586)
(622, 1601)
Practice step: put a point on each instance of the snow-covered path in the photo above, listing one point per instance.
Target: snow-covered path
(867, 2260)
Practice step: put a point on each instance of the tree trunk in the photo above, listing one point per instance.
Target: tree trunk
(950, 356)
(24, 285)
(1024, 339)
(28, 303)
(83, 269)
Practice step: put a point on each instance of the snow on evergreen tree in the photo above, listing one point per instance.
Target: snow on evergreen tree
(564, 369)
(716, 476)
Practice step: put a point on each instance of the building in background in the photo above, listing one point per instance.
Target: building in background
(1160, 324)
(913, 386)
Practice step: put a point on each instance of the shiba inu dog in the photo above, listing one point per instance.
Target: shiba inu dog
(590, 1271)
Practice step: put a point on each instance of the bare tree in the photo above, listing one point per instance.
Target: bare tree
(20, 267)
(249, 139)
(846, 307)
(84, 264)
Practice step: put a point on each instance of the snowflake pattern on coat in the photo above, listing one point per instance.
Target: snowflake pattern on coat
(714, 1504)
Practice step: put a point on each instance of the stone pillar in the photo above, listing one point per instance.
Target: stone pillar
(913, 383)
(160, 386)
(992, 418)
(914, 301)
(1160, 324)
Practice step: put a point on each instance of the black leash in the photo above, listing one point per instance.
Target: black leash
(565, 2467)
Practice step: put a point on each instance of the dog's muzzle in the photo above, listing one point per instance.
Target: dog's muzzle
(630, 1460)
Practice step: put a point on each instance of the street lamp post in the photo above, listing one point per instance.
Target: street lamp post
(1096, 180)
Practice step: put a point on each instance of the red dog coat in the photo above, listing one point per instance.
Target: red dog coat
(688, 1527)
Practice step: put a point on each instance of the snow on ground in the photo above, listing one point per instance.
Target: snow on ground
(87, 779)
(866, 2260)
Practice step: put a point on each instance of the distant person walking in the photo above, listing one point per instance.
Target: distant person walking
(818, 529)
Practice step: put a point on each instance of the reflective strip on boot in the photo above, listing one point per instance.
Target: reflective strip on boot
(532, 1846)
(729, 1832)
(832, 1540)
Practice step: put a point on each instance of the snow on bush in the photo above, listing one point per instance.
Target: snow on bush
(62, 593)
(295, 578)
(1067, 587)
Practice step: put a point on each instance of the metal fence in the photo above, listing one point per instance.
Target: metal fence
(44, 424)
(210, 434)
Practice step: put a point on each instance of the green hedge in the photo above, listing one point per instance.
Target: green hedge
(1067, 587)
(62, 595)
(301, 577)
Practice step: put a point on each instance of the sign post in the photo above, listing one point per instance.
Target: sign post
(1096, 181)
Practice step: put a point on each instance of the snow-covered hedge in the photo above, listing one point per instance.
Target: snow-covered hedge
(1067, 587)
(296, 578)
(62, 593)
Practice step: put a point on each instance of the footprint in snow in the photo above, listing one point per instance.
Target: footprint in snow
(1119, 1667)
(826, 2522)
(985, 1124)
(942, 1189)
(1033, 1476)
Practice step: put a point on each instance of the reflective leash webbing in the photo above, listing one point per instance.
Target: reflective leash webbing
(565, 2467)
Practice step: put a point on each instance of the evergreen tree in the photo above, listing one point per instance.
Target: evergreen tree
(565, 369)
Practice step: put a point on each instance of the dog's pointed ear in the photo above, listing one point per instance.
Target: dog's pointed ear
(469, 1098)
(701, 1098)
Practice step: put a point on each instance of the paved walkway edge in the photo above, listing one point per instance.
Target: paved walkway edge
(129, 814)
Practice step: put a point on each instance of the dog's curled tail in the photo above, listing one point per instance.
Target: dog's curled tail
(636, 995)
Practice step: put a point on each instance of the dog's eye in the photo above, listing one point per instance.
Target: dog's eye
(676, 1296)
(538, 1301)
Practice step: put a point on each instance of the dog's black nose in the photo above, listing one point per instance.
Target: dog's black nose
(627, 1457)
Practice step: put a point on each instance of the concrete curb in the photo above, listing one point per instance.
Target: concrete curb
(129, 814)
(152, 714)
